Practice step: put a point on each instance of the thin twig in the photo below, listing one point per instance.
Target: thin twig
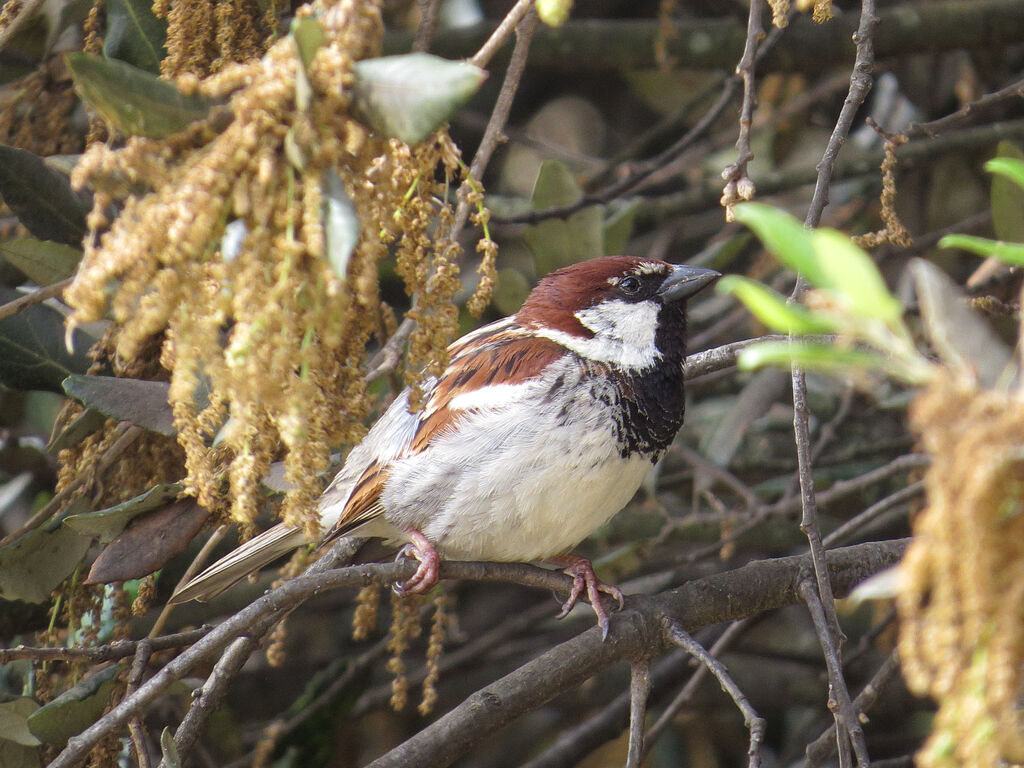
(933, 128)
(119, 649)
(212, 693)
(819, 750)
(738, 185)
(732, 633)
(37, 296)
(143, 652)
(847, 720)
(821, 603)
(869, 515)
(429, 11)
(497, 39)
(192, 570)
(639, 691)
(754, 722)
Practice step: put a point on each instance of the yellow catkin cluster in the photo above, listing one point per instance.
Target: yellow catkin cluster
(263, 340)
(962, 629)
(892, 230)
(204, 37)
(37, 115)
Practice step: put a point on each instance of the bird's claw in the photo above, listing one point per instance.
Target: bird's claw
(426, 575)
(584, 578)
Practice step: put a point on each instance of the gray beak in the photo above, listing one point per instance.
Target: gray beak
(684, 281)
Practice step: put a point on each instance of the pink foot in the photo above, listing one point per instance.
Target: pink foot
(427, 572)
(583, 577)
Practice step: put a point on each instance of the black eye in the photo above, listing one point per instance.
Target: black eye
(629, 284)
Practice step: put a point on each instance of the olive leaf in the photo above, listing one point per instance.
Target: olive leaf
(143, 403)
(135, 34)
(41, 197)
(75, 709)
(409, 96)
(43, 261)
(132, 100)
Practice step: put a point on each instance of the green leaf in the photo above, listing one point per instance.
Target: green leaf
(169, 749)
(75, 709)
(557, 243)
(18, 756)
(341, 223)
(785, 237)
(13, 722)
(771, 308)
(143, 403)
(33, 566)
(83, 425)
(135, 34)
(409, 96)
(849, 271)
(822, 357)
(556, 186)
(32, 351)
(106, 524)
(309, 38)
(1011, 253)
(135, 102)
(43, 261)
(1010, 167)
(1007, 196)
(511, 291)
(618, 227)
(41, 197)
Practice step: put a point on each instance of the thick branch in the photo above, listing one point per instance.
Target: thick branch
(718, 43)
(757, 587)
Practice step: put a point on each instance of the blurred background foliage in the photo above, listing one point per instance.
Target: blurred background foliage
(92, 472)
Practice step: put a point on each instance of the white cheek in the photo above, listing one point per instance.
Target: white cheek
(623, 334)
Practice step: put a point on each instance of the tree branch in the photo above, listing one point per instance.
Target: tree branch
(757, 587)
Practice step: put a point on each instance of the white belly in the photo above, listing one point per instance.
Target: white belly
(516, 484)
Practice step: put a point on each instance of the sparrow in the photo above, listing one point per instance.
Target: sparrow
(540, 429)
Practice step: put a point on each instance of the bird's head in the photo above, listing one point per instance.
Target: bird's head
(621, 310)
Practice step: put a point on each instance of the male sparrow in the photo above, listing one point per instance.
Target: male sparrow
(540, 429)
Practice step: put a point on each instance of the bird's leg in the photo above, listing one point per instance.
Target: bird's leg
(583, 577)
(426, 574)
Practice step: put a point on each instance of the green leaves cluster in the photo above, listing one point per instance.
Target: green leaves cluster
(850, 301)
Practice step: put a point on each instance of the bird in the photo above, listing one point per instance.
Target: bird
(541, 428)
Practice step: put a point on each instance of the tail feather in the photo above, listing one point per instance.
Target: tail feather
(251, 556)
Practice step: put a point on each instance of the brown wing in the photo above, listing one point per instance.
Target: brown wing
(500, 353)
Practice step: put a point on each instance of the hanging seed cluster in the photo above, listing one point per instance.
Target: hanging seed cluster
(263, 338)
(203, 37)
(962, 633)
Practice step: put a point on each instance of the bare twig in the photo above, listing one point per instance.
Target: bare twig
(933, 128)
(212, 693)
(429, 11)
(732, 633)
(639, 691)
(847, 720)
(819, 750)
(143, 652)
(869, 515)
(738, 185)
(119, 649)
(501, 33)
(37, 296)
(754, 722)
(193, 568)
